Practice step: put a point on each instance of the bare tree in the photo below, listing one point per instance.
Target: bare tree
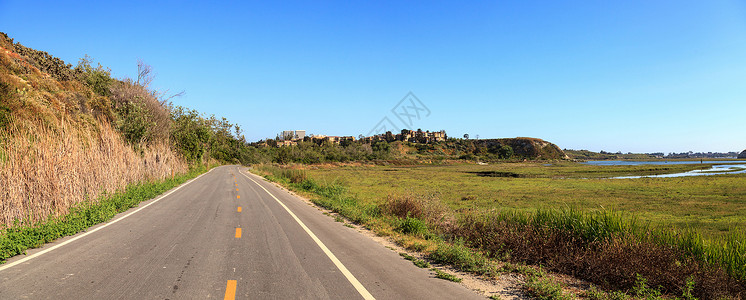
(145, 77)
(144, 74)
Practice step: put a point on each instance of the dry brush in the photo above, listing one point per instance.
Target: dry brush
(45, 169)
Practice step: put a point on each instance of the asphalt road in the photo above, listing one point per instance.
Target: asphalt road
(225, 234)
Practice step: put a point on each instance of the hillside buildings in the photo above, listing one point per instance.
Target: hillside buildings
(292, 137)
(334, 139)
(411, 136)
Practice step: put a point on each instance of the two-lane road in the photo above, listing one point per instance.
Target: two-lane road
(225, 234)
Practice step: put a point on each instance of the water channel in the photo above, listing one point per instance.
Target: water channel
(721, 167)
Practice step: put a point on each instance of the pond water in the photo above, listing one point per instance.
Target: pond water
(715, 170)
(723, 167)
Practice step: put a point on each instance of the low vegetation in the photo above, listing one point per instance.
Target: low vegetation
(619, 251)
(713, 205)
(545, 288)
(443, 275)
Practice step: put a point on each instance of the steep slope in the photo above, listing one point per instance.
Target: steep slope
(59, 140)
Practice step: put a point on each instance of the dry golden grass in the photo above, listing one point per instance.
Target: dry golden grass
(59, 148)
(48, 166)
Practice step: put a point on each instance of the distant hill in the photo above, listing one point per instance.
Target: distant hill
(526, 147)
(742, 155)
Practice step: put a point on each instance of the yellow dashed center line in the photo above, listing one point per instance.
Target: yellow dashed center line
(230, 290)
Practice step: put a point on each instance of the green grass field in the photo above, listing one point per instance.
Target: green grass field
(564, 217)
(712, 205)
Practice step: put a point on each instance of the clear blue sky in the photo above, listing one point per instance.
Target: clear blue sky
(639, 76)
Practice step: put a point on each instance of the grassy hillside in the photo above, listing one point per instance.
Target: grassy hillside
(69, 134)
(59, 146)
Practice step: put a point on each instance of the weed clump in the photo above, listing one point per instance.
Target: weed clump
(545, 288)
(413, 226)
(416, 208)
(443, 275)
(463, 258)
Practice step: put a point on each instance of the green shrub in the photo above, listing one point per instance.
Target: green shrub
(98, 78)
(189, 133)
(505, 152)
(413, 226)
(4, 115)
(134, 122)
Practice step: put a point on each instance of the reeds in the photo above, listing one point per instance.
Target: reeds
(611, 249)
(47, 167)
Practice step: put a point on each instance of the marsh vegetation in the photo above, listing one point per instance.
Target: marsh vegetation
(679, 235)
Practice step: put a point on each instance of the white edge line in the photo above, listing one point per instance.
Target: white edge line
(27, 258)
(351, 278)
